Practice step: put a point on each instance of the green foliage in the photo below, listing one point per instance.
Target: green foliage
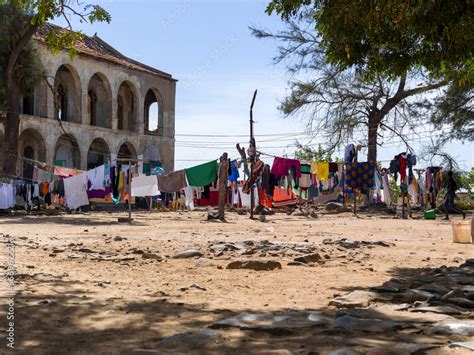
(456, 109)
(339, 104)
(310, 154)
(29, 69)
(392, 37)
(394, 187)
(17, 16)
(43, 11)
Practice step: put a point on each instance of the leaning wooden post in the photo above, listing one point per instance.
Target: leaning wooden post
(129, 192)
(223, 177)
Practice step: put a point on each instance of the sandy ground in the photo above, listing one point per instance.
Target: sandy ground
(70, 301)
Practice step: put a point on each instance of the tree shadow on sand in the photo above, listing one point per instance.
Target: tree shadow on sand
(390, 318)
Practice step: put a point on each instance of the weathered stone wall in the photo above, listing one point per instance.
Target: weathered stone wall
(83, 68)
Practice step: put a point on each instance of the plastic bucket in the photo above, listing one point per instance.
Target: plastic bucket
(462, 232)
(430, 214)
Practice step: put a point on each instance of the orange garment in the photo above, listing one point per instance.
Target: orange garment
(65, 171)
(44, 188)
(265, 200)
(283, 197)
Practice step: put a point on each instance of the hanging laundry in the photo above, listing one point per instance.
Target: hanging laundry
(41, 175)
(145, 186)
(65, 171)
(100, 183)
(387, 194)
(202, 175)
(350, 154)
(189, 197)
(403, 166)
(7, 196)
(96, 177)
(282, 166)
(333, 167)
(283, 197)
(255, 174)
(75, 189)
(305, 180)
(360, 176)
(323, 171)
(234, 171)
(246, 197)
(172, 182)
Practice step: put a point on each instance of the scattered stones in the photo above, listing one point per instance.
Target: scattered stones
(198, 287)
(466, 345)
(465, 328)
(352, 244)
(86, 250)
(256, 265)
(151, 256)
(118, 238)
(277, 324)
(309, 258)
(184, 342)
(353, 299)
(439, 309)
(74, 256)
(373, 325)
(204, 262)
(332, 206)
(296, 263)
(188, 254)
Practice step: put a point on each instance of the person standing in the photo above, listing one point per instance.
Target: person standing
(449, 198)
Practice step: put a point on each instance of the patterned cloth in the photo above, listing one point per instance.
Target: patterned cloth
(360, 176)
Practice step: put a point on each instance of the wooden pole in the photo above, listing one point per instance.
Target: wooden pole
(223, 177)
(129, 193)
(252, 154)
(355, 202)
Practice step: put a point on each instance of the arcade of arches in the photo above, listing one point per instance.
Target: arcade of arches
(106, 111)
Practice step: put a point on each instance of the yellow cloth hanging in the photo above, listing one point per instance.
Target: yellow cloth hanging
(120, 182)
(323, 171)
(314, 168)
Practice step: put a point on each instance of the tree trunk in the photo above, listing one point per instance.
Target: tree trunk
(12, 128)
(372, 141)
(12, 123)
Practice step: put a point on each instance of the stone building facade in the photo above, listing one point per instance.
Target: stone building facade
(96, 107)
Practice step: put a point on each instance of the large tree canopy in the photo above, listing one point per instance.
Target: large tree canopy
(29, 70)
(341, 103)
(31, 15)
(392, 37)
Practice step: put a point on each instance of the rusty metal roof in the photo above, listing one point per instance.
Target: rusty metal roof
(96, 47)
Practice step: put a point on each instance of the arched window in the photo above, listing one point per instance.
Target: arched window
(62, 103)
(100, 101)
(28, 105)
(153, 122)
(120, 112)
(126, 113)
(67, 95)
(98, 153)
(91, 107)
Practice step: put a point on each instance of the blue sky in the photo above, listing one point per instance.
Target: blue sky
(207, 46)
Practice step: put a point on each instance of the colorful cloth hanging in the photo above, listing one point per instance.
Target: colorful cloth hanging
(360, 176)
(323, 171)
(202, 175)
(172, 182)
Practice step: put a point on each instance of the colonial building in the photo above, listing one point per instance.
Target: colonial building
(96, 107)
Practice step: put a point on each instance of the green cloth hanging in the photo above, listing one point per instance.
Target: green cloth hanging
(202, 175)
